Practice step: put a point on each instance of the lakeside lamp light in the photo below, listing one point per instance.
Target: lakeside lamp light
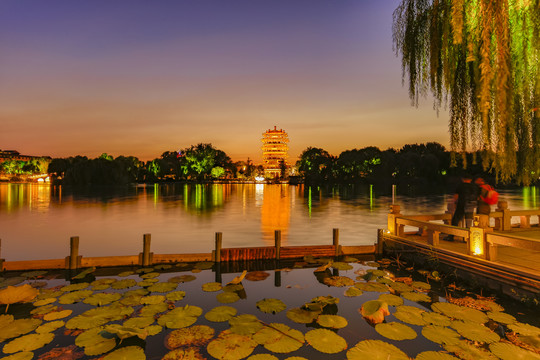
(476, 240)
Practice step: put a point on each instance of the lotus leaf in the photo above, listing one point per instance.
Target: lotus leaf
(50, 326)
(152, 299)
(75, 287)
(12, 281)
(182, 264)
(524, 329)
(372, 287)
(124, 332)
(15, 294)
(131, 300)
(508, 351)
(245, 324)
(34, 274)
(220, 314)
(46, 301)
(383, 280)
(96, 341)
(25, 355)
(262, 357)
(17, 327)
(475, 332)
(460, 312)
(341, 265)
(197, 335)
(212, 286)
(49, 293)
(238, 279)
(377, 272)
(29, 342)
(151, 310)
(180, 317)
(421, 285)
(391, 299)
(153, 329)
(323, 268)
(126, 353)
(163, 287)
(175, 295)
(325, 300)
(352, 292)
(182, 279)
(338, 281)
(435, 318)
(163, 267)
(104, 281)
(126, 273)
(184, 354)
(43, 309)
(57, 315)
(416, 297)
(302, 316)
(233, 288)
(279, 338)
(74, 297)
(227, 297)
(396, 331)
(101, 299)
(5, 319)
(139, 322)
(467, 351)
(326, 341)
(410, 315)
(147, 282)
(98, 316)
(501, 318)
(375, 350)
(204, 265)
(374, 311)
(144, 270)
(440, 334)
(83, 273)
(332, 321)
(366, 276)
(434, 355)
(296, 358)
(401, 287)
(271, 305)
(257, 275)
(229, 346)
(123, 284)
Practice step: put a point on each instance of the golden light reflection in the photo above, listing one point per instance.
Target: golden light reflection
(32, 196)
(275, 212)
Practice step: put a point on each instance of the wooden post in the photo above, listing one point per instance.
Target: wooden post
(394, 213)
(335, 241)
(146, 254)
(1, 260)
(73, 262)
(433, 237)
(380, 242)
(277, 239)
(218, 247)
(450, 208)
(503, 223)
(277, 278)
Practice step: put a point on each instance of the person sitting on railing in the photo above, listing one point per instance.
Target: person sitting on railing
(483, 208)
(465, 199)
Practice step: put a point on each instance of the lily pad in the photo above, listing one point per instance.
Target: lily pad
(151, 310)
(332, 321)
(401, 287)
(302, 316)
(501, 318)
(84, 273)
(198, 335)
(147, 282)
(391, 299)
(338, 281)
(204, 265)
(162, 287)
(163, 267)
(127, 353)
(230, 346)
(50, 326)
(123, 332)
(435, 318)
(440, 334)
(182, 279)
(150, 275)
(126, 273)
(25, 355)
(467, 351)
(245, 324)
(29, 342)
(153, 329)
(227, 297)
(416, 297)
(377, 287)
(272, 306)
(175, 295)
(34, 274)
(326, 341)
(75, 287)
(475, 332)
(139, 322)
(220, 314)
(44, 302)
(13, 328)
(524, 329)
(98, 316)
(375, 350)
(374, 311)
(43, 309)
(16, 294)
(101, 299)
(262, 357)
(396, 331)
(212, 286)
(460, 312)
(191, 353)
(123, 284)
(257, 275)
(410, 315)
(435, 355)
(144, 270)
(508, 351)
(279, 338)
(153, 299)
(421, 285)
(338, 265)
(353, 291)
(180, 317)
(74, 297)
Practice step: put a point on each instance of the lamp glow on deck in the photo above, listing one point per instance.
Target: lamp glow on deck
(476, 241)
(259, 178)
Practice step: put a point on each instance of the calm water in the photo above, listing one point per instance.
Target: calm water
(36, 221)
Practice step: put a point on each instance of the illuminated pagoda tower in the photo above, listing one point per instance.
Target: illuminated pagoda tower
(275, 151)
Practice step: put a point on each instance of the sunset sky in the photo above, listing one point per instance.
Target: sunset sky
(134, 77)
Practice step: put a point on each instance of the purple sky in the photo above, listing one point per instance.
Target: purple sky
(134, 77)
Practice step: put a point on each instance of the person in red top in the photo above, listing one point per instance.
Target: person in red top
(482, 208)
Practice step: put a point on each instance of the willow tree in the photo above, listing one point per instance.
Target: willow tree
(481, 59)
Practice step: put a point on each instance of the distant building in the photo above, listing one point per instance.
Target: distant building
(6, 155)
(275, 152)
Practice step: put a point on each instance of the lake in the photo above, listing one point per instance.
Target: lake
(37, 220)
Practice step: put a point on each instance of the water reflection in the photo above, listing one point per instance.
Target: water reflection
(275, 212)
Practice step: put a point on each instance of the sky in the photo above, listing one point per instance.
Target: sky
(140, 77)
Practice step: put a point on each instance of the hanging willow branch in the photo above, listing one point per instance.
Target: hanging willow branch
(482, 57)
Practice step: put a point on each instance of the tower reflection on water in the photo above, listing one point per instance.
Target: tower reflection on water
(275, 211)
